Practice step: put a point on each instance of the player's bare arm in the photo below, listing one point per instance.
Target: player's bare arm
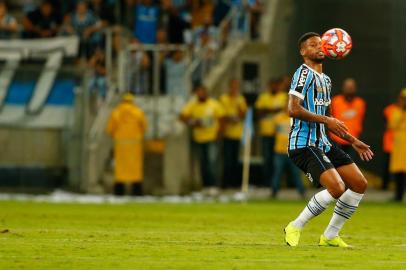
(363, 150)
(296, 110)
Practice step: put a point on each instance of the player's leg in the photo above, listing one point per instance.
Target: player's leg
(334, 188)
(320, 170)
(348, 202)
(353, 177)
(329, 179)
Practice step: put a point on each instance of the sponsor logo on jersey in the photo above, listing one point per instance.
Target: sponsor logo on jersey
(302, 78)
(309, 176)
(321, 102)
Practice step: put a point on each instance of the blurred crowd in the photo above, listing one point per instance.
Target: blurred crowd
(148, 21)
(194, 23)
(143, 18)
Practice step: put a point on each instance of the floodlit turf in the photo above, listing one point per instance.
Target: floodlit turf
(192, 236)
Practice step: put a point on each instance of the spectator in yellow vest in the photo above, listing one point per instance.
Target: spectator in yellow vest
(282, 162)
(398, 156)
(268, 104)
(127, 126)
(235, 107)
(388, 143)
(205, 116)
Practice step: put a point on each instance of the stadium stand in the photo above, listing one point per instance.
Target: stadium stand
(43, 87)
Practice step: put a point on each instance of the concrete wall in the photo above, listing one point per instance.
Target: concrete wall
(31, 148)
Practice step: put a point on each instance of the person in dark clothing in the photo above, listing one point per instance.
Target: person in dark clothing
(8, 24)
(42, 22)
(174, 16)
(86, 25)
(103, 11)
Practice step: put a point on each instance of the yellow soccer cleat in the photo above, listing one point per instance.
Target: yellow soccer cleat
(335, 242)
(292, 235)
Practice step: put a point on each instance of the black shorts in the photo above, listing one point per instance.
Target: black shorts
(313, 161)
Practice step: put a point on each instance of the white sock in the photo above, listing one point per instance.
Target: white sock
(345, 208)
(317, 204)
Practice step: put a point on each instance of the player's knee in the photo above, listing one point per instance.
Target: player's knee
(361, 185)
(337, 190)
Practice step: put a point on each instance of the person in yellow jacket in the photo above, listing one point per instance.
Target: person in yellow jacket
(127, 126)
(281, 161)
(267, 105)
(205, 116)
(235, 107)
(388, 143)
(398, 155)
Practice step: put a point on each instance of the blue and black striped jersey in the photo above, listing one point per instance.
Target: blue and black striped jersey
(315, 91)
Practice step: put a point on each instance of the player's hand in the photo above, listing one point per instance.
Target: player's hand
(363, 150)
(336, 126)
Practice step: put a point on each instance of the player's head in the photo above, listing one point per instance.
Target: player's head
(349, 87)
(310, 47)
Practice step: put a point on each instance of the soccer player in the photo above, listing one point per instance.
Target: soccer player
(310, 149)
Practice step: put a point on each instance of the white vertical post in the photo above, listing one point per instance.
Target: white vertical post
(246, 162)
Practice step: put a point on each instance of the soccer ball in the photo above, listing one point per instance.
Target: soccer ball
(336, 43)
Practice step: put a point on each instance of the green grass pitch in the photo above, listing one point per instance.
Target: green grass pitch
(192, 236)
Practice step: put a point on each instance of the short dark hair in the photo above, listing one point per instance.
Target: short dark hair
(305, 37)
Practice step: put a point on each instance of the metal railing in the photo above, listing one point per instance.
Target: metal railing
(228, 31)
(145, 79)
(160, 106)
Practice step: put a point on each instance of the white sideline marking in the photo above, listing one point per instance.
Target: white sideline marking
(59, 196)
